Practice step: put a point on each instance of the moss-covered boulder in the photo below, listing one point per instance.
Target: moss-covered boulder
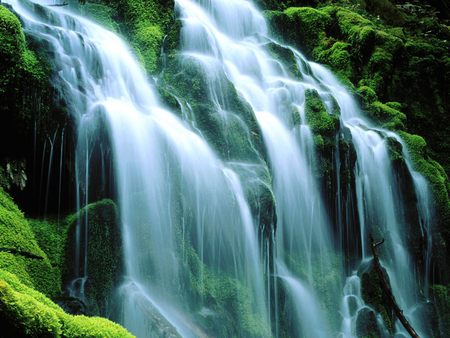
(98, 222)
(366, 324)
(25, 312)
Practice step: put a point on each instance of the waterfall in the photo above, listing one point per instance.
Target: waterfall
(176, 197)
(233, 37)
(187, 226)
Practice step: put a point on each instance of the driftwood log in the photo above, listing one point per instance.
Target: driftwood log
(387, 289)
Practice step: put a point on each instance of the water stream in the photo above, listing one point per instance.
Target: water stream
(186, 222)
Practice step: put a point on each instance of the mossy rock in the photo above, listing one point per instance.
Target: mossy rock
(318, 118)
(32, 114)
(374, 296)
(145, 23)
(366, 324)
(25, 312)
(309, 26)
(337, 57)
(387, 114)
(440, 187)
(104, 253)
(228, 298)
(440, 294)
(27, 260)
(102, 14)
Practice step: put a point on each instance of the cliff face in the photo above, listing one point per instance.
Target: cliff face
(392, 55)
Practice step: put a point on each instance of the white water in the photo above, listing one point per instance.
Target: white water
(176, 195)
(173, 190)
(232, 37)
(228, 36)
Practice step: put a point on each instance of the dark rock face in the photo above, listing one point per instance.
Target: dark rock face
(72, 305)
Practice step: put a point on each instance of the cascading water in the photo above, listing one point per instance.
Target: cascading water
(176, 197)
(187, 225)
(233, 37)
(229, 36)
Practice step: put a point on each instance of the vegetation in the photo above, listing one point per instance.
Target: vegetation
(25, 312)
(17, 234)
(226, 296)
(379, 45)
(104, 253)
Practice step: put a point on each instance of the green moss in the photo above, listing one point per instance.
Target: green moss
(388, 114)
(104, 252)
(309, 26)
(148, 39)
(439, 183)
(102, 14)
(320, 121)
(338, 57)
(287, 57)
(440, 295)
(434, 173)
(12, 39)
(368, 95)
(16, 233)
(357, 29)
(145, 22)
(226, 296)
(51, 237)
(14, 53)
(25, 312)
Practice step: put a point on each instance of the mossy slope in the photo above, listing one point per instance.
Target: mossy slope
(17, 234)
(25, 312)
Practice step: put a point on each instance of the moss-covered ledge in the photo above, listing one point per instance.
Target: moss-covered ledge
(25, 312)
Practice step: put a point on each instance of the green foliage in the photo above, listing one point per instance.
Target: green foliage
(26, 312)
